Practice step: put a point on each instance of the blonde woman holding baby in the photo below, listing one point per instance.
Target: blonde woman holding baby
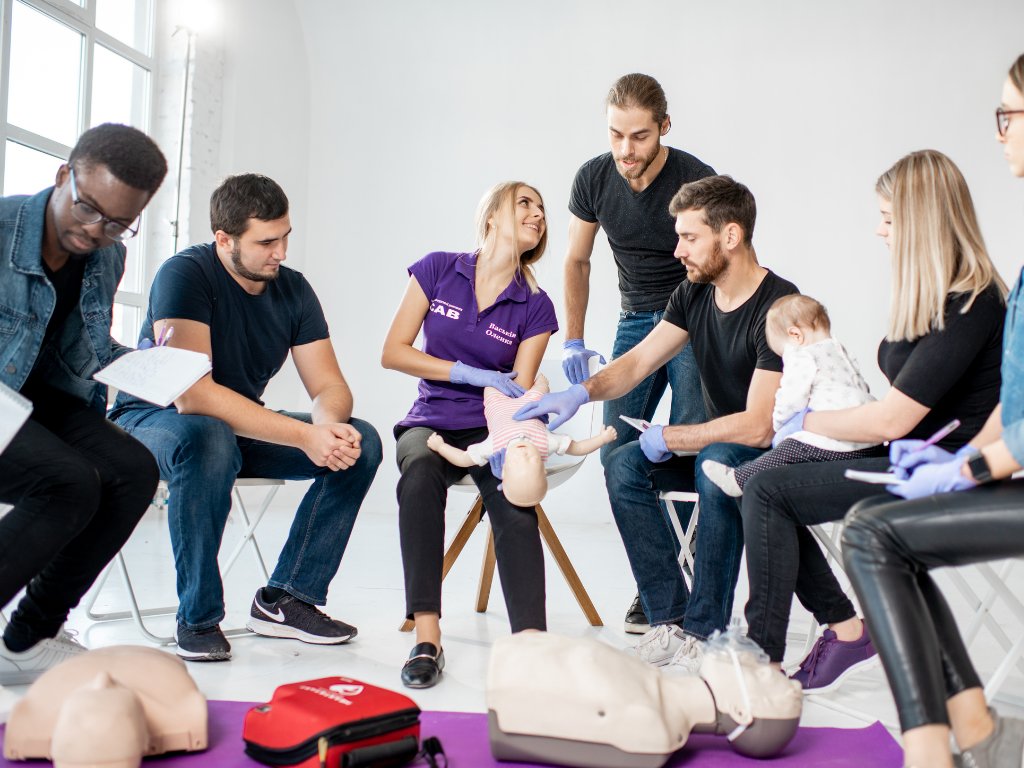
(485, 323)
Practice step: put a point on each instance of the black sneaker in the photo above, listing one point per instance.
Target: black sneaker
(202, 644)
(636, 619)
(293, 618)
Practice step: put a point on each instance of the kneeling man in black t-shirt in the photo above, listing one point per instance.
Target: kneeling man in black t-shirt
(721, 311)
(234, 300)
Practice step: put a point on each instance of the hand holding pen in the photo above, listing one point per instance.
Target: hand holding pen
(907, 454)
(165, 336)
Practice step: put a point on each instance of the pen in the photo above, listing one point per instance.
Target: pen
(946, 430)
(160, 341)
(171, 333)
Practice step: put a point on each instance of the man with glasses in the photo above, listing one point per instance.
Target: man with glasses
(78, 483)
(234, 300)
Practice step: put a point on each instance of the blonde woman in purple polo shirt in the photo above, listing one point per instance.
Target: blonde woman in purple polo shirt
(485, 323)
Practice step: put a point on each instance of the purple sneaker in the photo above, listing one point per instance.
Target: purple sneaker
(831, 661)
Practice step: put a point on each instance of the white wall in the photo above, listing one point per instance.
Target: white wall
(386, 121)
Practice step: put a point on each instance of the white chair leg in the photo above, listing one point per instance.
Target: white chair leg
(975, 602)
(249, 536)
(136, 614)
(685, 557)
(986, 605)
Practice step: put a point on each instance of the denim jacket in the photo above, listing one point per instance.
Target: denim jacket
(82, 345)
(1011, 396)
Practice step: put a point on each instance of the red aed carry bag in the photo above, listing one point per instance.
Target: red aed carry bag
(334, 722)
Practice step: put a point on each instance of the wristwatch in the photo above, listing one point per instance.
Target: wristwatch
(980, 470)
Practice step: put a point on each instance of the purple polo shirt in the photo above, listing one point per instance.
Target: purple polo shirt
(452, 330)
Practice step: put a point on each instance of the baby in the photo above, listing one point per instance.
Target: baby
(818, 374)
(528, 444)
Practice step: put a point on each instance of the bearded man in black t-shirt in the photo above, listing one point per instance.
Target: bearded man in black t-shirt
(721, 312)
(627, 193)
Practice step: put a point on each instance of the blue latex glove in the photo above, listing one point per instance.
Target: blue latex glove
(498, 462)
(477, 377)
(907, 454)
(791, 427)
(576, 361)
(927, 479)
(565, 404)
(652, 443)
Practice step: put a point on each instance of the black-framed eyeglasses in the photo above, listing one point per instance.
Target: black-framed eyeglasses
(1003, 120)
(88, 214)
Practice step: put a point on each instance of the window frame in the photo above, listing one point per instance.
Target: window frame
(82, 20)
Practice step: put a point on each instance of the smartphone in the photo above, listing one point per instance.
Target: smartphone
(877, 478)
(640, 424)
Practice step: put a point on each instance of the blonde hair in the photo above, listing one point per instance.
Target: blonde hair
(799, 310)
(1017, 73)
(937, 247)
(498, 197)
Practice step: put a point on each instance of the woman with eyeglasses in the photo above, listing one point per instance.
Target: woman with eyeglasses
(485, 322)
(962, 508)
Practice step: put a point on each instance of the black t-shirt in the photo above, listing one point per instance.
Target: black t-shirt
(640, 230)
(955, 371)
(67, 281)
(728, 346)
(250, 335)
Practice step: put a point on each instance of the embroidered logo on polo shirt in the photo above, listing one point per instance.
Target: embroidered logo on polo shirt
(505, 337)
(445, 309)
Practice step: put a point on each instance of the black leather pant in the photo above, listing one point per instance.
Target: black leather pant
(889, 548)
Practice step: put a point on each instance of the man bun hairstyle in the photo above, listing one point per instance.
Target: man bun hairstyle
(132, 157)
(797, 310)
(1017, 73)
(242, 197)
(723, 200)
(638, 91)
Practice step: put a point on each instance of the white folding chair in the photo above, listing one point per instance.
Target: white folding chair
(586, 423)
(685, 539)
(248, 538)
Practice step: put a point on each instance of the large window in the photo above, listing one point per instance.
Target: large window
(66, 67)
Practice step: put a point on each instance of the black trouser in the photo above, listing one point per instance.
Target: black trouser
(79, 485)
(783, 557)
(889, 548)
(422, 493)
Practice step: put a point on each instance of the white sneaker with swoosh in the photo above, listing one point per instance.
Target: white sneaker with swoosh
(290, 617)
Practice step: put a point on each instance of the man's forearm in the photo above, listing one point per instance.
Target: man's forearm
(246, 418)
(577, 297)
(619, 378)
(333, 405)
(743, 428)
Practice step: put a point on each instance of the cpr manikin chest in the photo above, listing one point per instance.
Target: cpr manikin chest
(580, 702)
(109, 707)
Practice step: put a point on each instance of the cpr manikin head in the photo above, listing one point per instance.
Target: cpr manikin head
(523, 480)
(797, 321)
(109, 707)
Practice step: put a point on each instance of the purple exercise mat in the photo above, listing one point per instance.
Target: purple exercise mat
(464, 737)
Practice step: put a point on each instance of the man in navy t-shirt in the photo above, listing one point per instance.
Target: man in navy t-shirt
(234, 301)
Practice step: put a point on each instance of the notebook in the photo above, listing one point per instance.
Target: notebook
(158, 375)
(14, 411)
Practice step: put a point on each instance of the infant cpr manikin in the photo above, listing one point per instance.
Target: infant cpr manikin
(579, 702)
(109, 707)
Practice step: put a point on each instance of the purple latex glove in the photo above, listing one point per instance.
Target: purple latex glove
(791, 427)
(498, 463)
(576, 360)
(478, 377)
(564, 403)
(907, 454)
(652, 443)
(928, 479)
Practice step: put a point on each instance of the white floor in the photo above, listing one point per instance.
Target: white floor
(368, 593)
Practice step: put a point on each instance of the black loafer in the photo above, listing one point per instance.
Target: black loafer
(636, 619)
(423, 669)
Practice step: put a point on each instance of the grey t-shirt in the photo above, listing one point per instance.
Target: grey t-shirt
(640, 230)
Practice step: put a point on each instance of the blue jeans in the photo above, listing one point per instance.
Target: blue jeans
(680, 372)
(200, 457)
(633, 485)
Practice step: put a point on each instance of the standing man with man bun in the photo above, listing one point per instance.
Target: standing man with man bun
(627, 191)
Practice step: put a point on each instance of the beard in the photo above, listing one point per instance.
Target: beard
(243, 271)
(643, 163)
(714, 267)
